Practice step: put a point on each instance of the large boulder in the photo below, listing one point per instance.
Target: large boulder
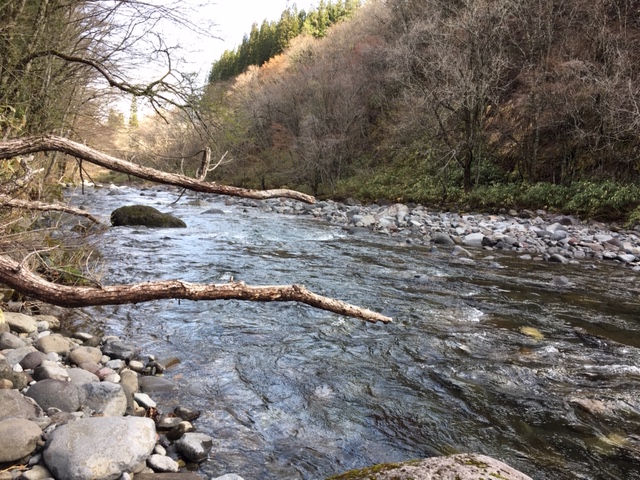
(80, 450)
(145, 216)
(452, 467)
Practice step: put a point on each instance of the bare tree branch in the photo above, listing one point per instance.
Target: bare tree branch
(27, 145)
(23, 280)
(6, 201)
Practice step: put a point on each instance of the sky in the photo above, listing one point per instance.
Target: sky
(232, 19)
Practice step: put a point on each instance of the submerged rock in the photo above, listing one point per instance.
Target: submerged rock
(146, 216)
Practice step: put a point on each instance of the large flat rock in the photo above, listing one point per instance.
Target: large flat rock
(99, 448)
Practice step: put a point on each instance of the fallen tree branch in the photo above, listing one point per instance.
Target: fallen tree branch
(23, 280)
(6, 201)
(51, 143)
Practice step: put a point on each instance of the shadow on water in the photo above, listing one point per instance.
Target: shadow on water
(291, 392)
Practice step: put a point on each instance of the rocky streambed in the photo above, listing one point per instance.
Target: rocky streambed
(533, 235)
(78, 408)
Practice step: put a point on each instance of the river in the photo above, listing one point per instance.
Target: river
(290, 392)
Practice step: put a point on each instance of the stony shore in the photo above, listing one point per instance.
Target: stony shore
(79, 407)
(536, 236)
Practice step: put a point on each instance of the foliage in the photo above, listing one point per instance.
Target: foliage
(272, 38)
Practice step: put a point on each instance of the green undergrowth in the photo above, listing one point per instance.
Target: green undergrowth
(601, 200)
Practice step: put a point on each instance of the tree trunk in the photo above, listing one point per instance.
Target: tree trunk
(21, 279)
(51, 143)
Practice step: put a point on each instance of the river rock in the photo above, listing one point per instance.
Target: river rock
(440, 238)
(156, 384)
(54, 343)
(82, 450)
(195, 447)
(54, 322)
(452, 467)
(50, 370)
(146, 216)
(79, 376)
(18, 438)
(15, 356)
(83, 354)
(15, 405)
(21, 323)
(118, 349)
(105, 398)
(10, 341)
(473, 239)
(64, 396)
(161, 463)
(32, 360)
(37, 472)
(168, 476)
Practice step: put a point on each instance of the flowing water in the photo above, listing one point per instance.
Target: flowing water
(290, 392)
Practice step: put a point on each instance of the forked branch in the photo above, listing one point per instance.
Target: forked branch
(23, 280)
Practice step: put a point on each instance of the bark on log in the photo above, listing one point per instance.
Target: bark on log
(51, 143)
(6, 201)
(21, 279)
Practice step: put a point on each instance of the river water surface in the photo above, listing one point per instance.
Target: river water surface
(290, 392)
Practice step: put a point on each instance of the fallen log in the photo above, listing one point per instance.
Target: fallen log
(51, 143)
(18, 277)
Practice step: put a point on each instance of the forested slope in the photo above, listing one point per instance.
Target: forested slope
(480, 102)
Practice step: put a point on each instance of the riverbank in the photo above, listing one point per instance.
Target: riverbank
(80, 407)
(535, 236)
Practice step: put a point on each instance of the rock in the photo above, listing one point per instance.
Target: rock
(78, 376)
(21, 323)
(10, 341)
(168, 476)
(54, 323)
(118, 349)
(229, 476)
(144, 400)
(213, 211)
(136, 365)
(167, 423)
(32, 360)
(144, 216)
(104, 398)
(186, 413)
(179, 430)
(15, 405)
(64, 396)
(442, 239)
(626, 258)
(459, 251)
(156, 384)
(18, 438)
(160, 463)
(557, 258)
(130, 379)
(452, 467)
(37, 472)
(473, 239)
(83, 354)
(195, 447)
(366, 221)
(54, 343)
(82, 451)
(50, 370)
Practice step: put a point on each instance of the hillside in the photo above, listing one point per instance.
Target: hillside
(448, 102)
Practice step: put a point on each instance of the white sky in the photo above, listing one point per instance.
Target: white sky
(233, 18)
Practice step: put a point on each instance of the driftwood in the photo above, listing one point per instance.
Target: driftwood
(6, 201)
(50, 143)
(21, 279)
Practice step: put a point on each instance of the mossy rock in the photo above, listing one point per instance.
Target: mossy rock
(452, 467)
(142, 215)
